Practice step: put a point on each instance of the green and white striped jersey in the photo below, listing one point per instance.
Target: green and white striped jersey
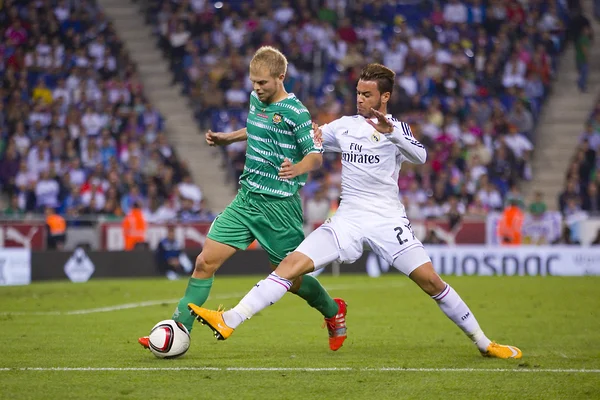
(275, 132)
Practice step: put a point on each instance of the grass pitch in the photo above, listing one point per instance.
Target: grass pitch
(400, 346)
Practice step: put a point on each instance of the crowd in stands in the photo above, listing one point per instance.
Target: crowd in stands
(472, 77)
(79, 136)
(77, 133)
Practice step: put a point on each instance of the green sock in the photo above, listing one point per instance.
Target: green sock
(197, 292)
(317, 297)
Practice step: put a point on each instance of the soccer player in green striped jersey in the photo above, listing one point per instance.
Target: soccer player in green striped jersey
(281, 150)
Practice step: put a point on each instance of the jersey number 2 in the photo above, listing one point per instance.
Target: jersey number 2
(400, 232)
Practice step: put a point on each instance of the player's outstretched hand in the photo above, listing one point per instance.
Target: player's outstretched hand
(287, 170)
(383, 125)
(216, 138)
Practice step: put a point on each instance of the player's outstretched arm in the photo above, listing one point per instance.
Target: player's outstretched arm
(223, 139)
(401, 136)
(310, 162)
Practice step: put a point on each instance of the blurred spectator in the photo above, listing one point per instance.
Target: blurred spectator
(134, 227)
(514, 196)
(189, 190)
(510, 225)
(591, 199)
(521, 118)
(477, 208)
(540, 227)
(582, 56)
(454, 211)
(170, 257)
(188, 213)
(57, 229)
(13, 210)
(567, 236)
(490, 196)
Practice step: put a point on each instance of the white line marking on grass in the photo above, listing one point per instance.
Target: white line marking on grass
(151, 303)
(308, 369)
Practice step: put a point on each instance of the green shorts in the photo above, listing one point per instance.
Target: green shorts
(275, 223)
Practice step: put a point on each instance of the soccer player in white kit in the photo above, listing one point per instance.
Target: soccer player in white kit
(373, 145)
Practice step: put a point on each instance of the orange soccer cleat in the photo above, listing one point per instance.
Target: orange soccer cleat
(214, 320)
(496, 350)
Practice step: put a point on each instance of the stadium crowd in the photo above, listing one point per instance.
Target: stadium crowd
(471, 79)
(77, 133)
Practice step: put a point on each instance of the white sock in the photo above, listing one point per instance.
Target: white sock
(266, 292)
(456, 309)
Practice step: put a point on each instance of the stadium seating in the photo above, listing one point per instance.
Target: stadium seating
(472, 92)
(78, 134)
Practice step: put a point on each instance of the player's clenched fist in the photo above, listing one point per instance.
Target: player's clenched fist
(216, 138)
(287, 170)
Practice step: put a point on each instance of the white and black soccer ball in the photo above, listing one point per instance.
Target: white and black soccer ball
(169, 339)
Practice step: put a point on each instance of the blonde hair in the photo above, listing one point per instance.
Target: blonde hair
(272, 59)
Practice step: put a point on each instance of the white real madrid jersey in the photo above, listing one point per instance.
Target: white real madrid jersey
(371, 162)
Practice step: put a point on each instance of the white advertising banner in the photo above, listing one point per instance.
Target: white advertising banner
(15, 266)
(519, 260)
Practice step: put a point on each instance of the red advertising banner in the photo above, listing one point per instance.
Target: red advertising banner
(26, 235)
(194, 234)
(191, 234)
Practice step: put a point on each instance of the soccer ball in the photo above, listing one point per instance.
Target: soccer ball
(169, 339)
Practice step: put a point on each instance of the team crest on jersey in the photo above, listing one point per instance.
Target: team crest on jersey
(375, 137)
(277, 118)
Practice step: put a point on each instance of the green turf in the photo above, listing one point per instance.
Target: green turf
(392, 324)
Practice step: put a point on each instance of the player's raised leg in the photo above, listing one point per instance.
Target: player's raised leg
(280, 234)
(322, 249)
(228, 233)
(455, 308)
(213, 255)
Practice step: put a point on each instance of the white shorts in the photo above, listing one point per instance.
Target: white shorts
(344, 239)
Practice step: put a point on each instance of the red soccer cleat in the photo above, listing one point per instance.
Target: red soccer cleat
(144, 341)
(336, 326)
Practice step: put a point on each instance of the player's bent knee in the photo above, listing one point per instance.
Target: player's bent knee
(294, 265)
(205, 267)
